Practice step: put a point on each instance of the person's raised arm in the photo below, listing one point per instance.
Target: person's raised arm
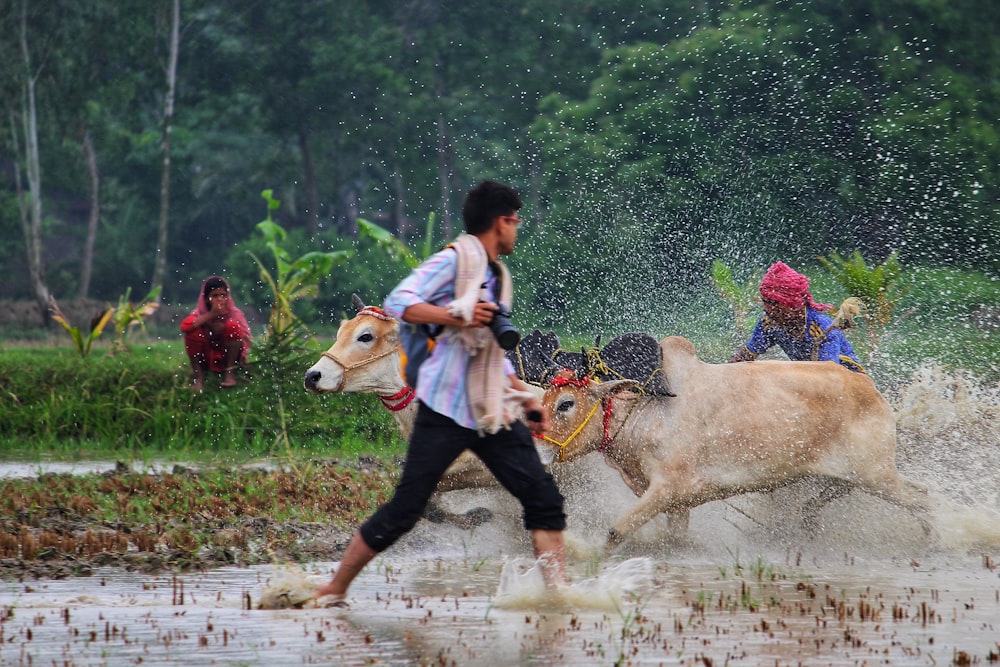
(426, 313)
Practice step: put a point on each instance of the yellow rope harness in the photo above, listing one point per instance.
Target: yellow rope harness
(572, 436)
(596, 366)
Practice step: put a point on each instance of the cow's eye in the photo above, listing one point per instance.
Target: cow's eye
(565, 405)
(365, 338)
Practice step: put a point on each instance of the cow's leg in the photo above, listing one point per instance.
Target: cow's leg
(833, 489)
(467, 479)
(467, 472)
(653, 502)
(905, 494)
(678, 521)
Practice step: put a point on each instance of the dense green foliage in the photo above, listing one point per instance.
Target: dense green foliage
(648, 138)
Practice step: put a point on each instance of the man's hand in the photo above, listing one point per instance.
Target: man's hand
(483, 314)
(743, 354)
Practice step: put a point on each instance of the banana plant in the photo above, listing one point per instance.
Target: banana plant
(877, 287)
(396, 249)
(127, 315)
(292, 279)
(741, 297)
(82, 343)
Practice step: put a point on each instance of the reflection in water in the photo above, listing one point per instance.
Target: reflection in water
(747, 585)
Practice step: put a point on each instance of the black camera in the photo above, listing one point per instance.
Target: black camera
(504, 331)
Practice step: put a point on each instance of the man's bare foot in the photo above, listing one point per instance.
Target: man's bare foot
(197, 383)
(332, 600)
(229, 378)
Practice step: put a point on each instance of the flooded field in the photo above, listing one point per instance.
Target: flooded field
(747, 585)
(447, 611)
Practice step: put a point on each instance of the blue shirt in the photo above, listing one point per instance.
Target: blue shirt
(816, 341)
(441, 382)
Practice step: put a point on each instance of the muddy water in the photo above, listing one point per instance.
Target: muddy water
(416, 612)
(747, 584)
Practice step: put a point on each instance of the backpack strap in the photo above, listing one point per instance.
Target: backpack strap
(432, 330)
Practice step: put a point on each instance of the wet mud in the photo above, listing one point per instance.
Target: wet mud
(56, 525)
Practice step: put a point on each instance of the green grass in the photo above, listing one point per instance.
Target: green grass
(137, 406)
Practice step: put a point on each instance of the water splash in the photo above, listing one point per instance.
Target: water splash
(948, 424)
(290, 587)
(941, 404)
(968, 528)
(522, 587)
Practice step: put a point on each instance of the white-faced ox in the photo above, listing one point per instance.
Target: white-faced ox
(731, 429)
(366, 358)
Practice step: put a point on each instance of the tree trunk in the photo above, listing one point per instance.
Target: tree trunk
(31, 211)
(160, 264)
(95, 213)
(312, 190)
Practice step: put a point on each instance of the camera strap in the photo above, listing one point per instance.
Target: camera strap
(497, 280)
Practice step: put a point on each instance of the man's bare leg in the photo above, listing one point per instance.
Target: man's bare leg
(550, 550)
(357, 555)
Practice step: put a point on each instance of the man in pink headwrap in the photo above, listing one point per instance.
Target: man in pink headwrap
(796, 323)
(216, 334)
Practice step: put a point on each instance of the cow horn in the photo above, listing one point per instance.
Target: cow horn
(358, 304)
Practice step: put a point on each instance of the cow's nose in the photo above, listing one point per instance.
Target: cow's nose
(312, 377)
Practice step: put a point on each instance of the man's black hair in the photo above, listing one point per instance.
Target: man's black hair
(486, 201)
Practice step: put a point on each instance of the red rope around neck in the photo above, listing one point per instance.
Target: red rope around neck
(405, 396)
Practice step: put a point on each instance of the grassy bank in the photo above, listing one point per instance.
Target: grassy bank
(137, 406)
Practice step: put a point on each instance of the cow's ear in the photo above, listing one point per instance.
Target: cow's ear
(614, 387)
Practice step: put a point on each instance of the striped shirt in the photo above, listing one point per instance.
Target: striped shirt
(441, 383)
(816, 342)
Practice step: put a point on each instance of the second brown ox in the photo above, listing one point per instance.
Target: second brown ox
(732, 429)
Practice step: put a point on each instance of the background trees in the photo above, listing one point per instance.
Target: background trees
(647, 140)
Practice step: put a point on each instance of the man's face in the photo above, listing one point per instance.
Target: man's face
(780, 314)
(508, 233)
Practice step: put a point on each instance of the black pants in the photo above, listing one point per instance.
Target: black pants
(436, 442)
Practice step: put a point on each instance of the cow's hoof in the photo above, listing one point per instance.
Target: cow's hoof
(477, 516)
(435, 514)
(474, 517)
(614, 539)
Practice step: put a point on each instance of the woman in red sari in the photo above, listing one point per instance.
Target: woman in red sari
(216, 334)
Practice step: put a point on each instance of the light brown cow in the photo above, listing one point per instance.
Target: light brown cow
(731, 429)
